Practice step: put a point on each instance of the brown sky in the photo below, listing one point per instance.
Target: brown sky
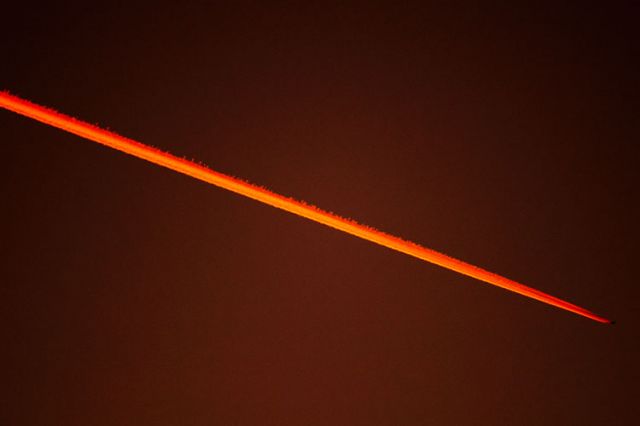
(504, 137)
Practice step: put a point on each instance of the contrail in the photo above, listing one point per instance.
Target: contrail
(189, 168)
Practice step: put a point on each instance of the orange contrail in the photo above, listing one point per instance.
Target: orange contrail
(202, 173)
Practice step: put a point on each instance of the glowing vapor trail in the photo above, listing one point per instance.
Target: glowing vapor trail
(202, 173)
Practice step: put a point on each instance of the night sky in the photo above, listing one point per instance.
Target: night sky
(503, 136)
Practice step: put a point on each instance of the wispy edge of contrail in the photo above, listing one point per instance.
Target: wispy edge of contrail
(200, 172)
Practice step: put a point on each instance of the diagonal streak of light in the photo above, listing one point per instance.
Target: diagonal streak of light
(197, 171)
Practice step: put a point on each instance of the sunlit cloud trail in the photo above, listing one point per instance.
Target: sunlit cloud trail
(189, 168)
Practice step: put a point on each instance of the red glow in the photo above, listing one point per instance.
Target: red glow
(202, 173)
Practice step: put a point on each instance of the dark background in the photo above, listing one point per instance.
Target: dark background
(504, 136)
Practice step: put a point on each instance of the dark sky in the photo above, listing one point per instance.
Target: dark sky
(504, 136)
